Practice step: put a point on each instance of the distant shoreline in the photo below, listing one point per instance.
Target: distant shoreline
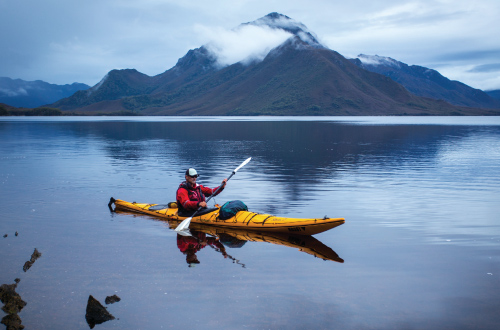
(10, 111)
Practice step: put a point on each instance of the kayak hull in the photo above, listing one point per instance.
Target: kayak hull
(242, 220)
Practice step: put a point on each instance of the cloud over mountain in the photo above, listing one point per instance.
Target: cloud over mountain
(245, 44)
(252, 41)
(17, 91)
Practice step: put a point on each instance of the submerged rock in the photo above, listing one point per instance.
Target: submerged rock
(34, 257)
(11, 299)
(112, 299)
(96, 313)
(13, 304)
(12, 322)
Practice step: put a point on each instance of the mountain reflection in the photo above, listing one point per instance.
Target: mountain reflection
(292, 161)
(299, 157)
(294, 143)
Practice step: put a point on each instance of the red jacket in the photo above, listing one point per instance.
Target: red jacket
(188, 197)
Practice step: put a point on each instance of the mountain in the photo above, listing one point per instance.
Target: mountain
(31, 94)
(427, 82)
(298, 77)
(278, 21)
(494, 94)
(116, 85)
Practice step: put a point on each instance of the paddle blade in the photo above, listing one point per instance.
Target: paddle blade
(184, 225)
(242, 164)
(184, 232)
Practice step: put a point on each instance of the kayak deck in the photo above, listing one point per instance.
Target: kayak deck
(242, 220)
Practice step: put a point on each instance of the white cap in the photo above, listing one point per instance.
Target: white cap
(191, 172)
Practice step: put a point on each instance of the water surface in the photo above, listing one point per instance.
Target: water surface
(419, 249)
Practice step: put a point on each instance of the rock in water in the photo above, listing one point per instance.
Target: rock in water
(12, 322)
(96, 313)
(11, 299)
(112, 299)
(34, 257)
(12, 305)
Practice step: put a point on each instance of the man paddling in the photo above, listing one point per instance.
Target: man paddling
(191, 196)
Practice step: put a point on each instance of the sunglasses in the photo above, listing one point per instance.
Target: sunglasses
(193, 176)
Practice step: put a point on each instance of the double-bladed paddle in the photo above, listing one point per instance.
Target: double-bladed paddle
(183, 228)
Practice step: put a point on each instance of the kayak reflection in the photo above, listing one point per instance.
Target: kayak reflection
(236, 238)
(220, 238)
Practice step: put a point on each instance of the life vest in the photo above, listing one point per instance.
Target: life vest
(194, 194)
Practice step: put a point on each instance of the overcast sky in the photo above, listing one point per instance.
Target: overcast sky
(61, 41)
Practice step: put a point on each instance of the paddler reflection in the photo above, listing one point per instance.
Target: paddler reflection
(190, 245)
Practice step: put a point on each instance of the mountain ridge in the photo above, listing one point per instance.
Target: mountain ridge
(298, 77)
(31, 94)
(427, 82)
(494, 93)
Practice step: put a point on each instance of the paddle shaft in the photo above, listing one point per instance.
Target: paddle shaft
(213, 195)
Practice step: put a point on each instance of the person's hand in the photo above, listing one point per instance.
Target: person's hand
(202, 204)
(224, 182)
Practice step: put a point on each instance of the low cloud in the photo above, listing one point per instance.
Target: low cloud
(378, 60)
(13, 92)
(494, 67)
(484, 80)
(475, 55)
(245, 44)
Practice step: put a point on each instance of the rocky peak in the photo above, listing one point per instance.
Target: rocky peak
(279, 21)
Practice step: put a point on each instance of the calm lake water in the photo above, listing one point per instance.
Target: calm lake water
(420, 248)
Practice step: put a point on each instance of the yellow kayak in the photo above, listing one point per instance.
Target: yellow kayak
(242, 220)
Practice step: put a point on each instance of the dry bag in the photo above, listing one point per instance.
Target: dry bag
(229, 209)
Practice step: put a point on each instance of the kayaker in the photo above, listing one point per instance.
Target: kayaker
(191, 196)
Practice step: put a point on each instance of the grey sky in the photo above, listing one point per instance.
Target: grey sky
(61, 41)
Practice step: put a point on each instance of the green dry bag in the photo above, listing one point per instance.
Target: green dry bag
(229, 209)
